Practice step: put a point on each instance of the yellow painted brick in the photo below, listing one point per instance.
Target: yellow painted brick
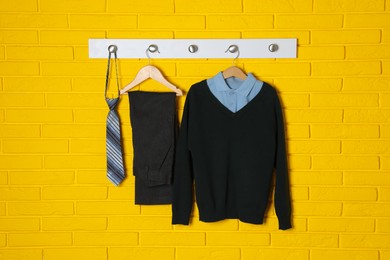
(172, 239)
(18, 36)
(204, 6)
(3, 240)
(237, 239)
(2, 53)
(95, 116)
(35, 146)
(105, 239)
(88, 146)
(308, 21)
(321, 53)
(75, 161)
(40, 177)
(22, 100)
(279, 69)
(2, 209)
(2, 117)
(299, 193)
(367, 84)
(366, 209)
(383, 225)
(196, 224)
(348, 6)
(3, 178)
(39, 116)
(295, 100)
(284, 6)
(343, 194)
(308, 84)
(171, 22)
(159, 210)
(344, 131)
(11, 193)
(82, 253)
(346, 68)
(210, 253)
(19, 130)
(72, 68)
(74, 130)
(106, 208)
(36, 84)
(103, 21)
(196, 69)
(373, 20)
(338, 254)
(345, 162)
(92, 177)
(155, 6)
(274, 253)
(345, 36)
(367, 116)
(128, 34)
(313, 147)
(297, 131)
(40, 239)
(207, 34)
(271, 224)
(75, 100)
(39, 53)
(381, 51)
(40, 208)
(384, 193)
(21, 253)
(299, 162)
(139, 223)
(385, 162)
(344, 100)
(69, 37)
(19, 6)
(364, 241)
(124, 193)
(72, 6)
(364, 147)
(19, 68)
(74, 224)
(15, 20)
(384, 100)
(316, 177)
(317, 209)
(19, 224)
(386, 35)
(242, 22)
(385, 67)
(366, 178)
(74, 193)
(385, 131)
(313, 116)
(141, 253)
(20, 162)
(304, 240)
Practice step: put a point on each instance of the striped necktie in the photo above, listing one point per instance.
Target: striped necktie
(115, 168)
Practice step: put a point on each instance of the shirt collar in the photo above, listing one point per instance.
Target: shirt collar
(244, 89)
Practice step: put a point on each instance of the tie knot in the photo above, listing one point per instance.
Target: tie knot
(112, 102)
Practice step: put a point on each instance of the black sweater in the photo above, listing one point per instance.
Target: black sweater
(231, 158)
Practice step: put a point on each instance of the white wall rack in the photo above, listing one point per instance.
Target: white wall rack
(194, 48)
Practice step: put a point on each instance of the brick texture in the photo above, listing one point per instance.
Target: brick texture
(55, 200)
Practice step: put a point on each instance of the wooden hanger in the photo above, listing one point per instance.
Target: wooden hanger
(234, 71)
(152, 72)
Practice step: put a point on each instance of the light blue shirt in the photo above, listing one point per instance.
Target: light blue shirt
(233, 92)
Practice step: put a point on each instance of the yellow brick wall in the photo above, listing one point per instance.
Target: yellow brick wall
(55, 201)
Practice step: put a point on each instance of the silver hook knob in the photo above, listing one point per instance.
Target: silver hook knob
(152, 48)
(112, 48)
(193, 48)
(233, 49)
(273, 47)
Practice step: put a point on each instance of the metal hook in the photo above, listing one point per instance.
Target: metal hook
(112, 48)
(152, 48)
(233, 49)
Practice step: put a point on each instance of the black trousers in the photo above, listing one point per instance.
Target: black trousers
(155, 128)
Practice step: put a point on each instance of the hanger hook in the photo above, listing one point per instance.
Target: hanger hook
(112, 48)
(233, 49)
(152, 48)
